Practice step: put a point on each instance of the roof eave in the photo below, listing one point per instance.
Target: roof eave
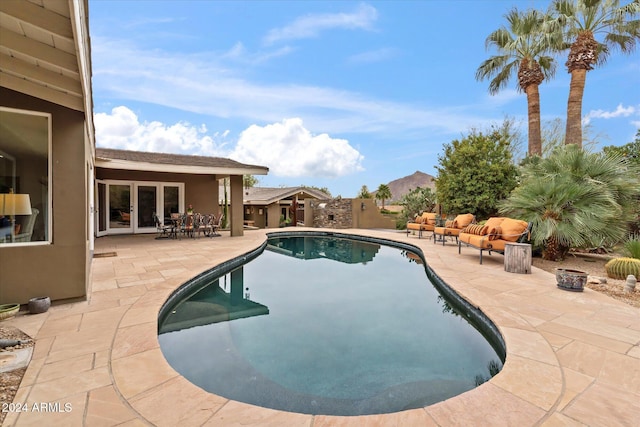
(159, 167)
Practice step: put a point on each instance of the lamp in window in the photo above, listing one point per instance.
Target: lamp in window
(14, 204)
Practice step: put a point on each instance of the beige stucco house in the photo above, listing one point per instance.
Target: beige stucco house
(57, 192)
(268, 207)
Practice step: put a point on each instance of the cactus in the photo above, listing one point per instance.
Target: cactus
(620, 268)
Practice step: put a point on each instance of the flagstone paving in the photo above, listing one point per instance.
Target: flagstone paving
(573, 359)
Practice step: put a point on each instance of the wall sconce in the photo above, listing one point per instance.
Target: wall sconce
(362, 207)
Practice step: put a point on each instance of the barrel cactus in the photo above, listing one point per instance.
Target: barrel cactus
(620, 268)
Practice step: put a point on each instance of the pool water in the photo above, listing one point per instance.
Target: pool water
(325, 325)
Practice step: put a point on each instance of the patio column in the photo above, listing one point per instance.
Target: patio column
(236, 213)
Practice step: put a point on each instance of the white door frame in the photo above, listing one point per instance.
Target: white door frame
(103, 205)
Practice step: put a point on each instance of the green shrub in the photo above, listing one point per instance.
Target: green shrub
(620, 268)
(632, 246)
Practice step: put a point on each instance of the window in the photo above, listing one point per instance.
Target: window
(25, 146)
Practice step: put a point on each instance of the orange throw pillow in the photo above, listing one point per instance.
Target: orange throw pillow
(430, 218)
(512, 229)
(463, 220)
(495, 233)
(475, 229)
(493, 222)
(450, 224)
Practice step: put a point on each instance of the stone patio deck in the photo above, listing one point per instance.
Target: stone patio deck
(573, 359)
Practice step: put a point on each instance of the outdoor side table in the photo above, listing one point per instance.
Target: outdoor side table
(517, 258)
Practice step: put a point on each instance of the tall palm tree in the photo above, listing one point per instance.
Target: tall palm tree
(522, 50)
(580, 21)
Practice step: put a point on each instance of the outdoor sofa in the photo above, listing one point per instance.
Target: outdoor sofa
(453, 227)
(424, 222)
(494, 235)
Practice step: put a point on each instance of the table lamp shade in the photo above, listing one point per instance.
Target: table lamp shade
(15, 204)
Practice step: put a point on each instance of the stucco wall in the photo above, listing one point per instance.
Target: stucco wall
(201, 191)
(60, 269)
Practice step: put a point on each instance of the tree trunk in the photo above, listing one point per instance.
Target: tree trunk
(533, 104)
(574, 107)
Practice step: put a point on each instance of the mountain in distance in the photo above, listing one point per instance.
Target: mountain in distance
(401, 186)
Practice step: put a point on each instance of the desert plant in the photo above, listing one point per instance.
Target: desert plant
(575, 199)
(620, 268)
(383, 193)
(632, 246)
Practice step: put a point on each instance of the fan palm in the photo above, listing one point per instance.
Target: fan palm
(575, 199)
(383, 193)
(580, 21)
(522, 48)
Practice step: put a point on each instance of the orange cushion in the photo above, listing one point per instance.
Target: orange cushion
(475, 229)
(463, 220)
(494, 222)
(429, 217)
(512, 229)
(418, 220)
(494, 233)
(450, 224)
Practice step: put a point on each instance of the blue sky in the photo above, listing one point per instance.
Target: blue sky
(336, 94)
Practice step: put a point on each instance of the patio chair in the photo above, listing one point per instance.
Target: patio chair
(164, 231)
(453, 228)
(216, 226)
(424, 222)
(188, 225)
(203, 224)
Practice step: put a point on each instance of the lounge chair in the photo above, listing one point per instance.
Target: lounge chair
(495, 234)
(453, 228)
(424, 222)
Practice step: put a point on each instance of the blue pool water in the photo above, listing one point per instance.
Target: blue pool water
(325, 325)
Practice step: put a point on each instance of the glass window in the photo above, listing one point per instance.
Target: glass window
(24, 176)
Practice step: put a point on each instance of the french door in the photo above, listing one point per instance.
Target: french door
(125, 207)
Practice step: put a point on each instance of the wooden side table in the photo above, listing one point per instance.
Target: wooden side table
(517, 258)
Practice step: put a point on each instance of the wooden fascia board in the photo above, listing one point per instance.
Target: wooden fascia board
(15, 66)
(43, 92)
(38, 50)
(38, 16)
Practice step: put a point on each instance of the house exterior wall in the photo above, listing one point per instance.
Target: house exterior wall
(273, 215)
(252, 213)
(60, 269)
(201, 191)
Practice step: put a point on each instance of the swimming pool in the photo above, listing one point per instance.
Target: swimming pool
(327, 325)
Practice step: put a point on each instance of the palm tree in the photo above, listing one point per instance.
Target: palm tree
(364, 193)
(575, 198)
(522, 48)
(383, 193)
(580, 21)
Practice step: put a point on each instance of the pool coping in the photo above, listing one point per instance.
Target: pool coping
(565, 351)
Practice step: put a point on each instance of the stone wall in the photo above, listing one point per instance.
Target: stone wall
(332, 213)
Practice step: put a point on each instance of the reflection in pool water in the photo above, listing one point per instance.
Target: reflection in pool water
(325, 325)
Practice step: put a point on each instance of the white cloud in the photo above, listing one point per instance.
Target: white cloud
(311, 25)
(207, 84)
(122, 129)
(620, 111)
(373, 56)
(290, 150)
